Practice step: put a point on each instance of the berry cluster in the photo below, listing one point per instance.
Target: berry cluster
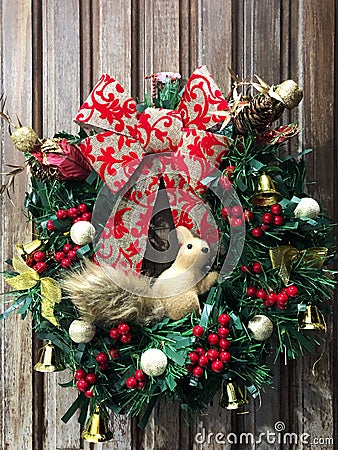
(75, 213)
(269, 218)
(137, 381)
(255, 268)
(201, 358)
(67, 255)
(280, 299)
(121, 333)
(236, 216)
(37, 261)
(85, 382)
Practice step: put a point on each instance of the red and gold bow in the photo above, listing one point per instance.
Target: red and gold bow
(178, 137)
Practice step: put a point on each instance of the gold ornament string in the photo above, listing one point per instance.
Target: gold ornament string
(28, 278)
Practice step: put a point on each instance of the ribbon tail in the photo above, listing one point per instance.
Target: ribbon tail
(51, 294)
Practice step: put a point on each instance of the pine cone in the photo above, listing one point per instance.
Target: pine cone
(40, 172)
(258, 114)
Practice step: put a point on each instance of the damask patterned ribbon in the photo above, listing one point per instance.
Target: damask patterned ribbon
(178, 138)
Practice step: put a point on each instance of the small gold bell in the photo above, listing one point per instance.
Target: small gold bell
(311, 319)
(232, 396)
(266, 192)
(97, 428)
(49, 361)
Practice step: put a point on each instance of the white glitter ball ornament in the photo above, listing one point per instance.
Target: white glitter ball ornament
(82, 233)
(261, 327)
(307, 207)
(81, 331)
(154, 362)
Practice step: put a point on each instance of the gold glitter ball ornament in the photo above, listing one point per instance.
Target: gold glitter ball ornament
(290, 92)
(81, 331)
(307, 207)
(154, 362)
(24, 139)
(261, 327)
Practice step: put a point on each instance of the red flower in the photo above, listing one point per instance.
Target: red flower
(65, 158)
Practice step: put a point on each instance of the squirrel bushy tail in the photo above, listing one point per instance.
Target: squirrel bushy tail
(99, 298)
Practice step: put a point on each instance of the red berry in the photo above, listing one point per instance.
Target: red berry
(251, 291)
(213, 339)
(126, 338)
(223, 319)
(89, 393)
(267, 218)
(102, 358)
(278, 220)
(225, 212)
(212, 354)
(257, 232)
(77, 219)
(59, 256)
(82, 208)
(76, 247)
(123, 328)
(86, 216)
(66, 263)
(114, 333)
(200, 351)
(103, 367)
(223, 332)
(203, 361)
(236, 222)
(224, 344)
(256, 268)
(82, 385)
(282, 298)
(245, 269)
(193, 357)
(131, 383)
(91, 378)
(264, 227)
(292, 291)
(225, 183)
(140, 375)
(40, 267)
(73, 212)
(217, 366)
(67, 247)
(39, 256)
(224, 357)
(276, 209)
(72, 255)
(141, 384)
(190, 367)
(270, 299)
(229, 170)
(261, 293)
(237, 211)
(114, 354)
(198, 331)
(198, 371)
(281, 305)
(50, 226)
(80, 374)
(61, 214)
(248, 216)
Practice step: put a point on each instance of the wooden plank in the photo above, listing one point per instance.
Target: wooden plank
(61, 98)
(16, 336)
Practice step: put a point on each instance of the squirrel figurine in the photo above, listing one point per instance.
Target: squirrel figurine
(106, 295)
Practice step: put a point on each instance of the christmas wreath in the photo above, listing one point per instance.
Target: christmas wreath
(174, 247)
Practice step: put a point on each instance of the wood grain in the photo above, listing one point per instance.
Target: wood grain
(51, 55)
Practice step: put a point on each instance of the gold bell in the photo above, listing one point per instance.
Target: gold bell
(232, 396)
(311, 319)
(49, 360)
(266, 192)
(97, 428)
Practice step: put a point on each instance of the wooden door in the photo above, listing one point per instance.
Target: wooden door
(51, 54)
